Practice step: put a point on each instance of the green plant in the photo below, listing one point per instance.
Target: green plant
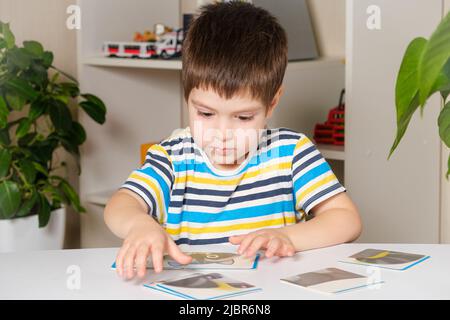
(425, 70)
(39, 105)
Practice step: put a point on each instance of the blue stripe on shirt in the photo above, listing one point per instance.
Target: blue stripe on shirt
(241, 213)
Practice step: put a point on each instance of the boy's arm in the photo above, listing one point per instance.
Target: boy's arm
(123, 210)
(336, 220)
(316, 191)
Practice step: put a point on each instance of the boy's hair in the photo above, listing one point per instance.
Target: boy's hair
(233, 48)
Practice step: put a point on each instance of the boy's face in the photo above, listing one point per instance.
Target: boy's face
(227, 130)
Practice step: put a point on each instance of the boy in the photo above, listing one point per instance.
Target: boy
(227, 178)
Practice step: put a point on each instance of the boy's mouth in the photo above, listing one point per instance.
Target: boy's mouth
(223, 150)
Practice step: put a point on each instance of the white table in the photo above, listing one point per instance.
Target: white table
(46, 275)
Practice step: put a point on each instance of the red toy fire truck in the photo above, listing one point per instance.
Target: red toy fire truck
(332, 131)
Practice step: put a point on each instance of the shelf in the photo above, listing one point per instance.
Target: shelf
(102, 61)
(332, 152)
(175, 64)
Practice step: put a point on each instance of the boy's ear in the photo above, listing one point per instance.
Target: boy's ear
(275, 101)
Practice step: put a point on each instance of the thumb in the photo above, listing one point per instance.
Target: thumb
(177, 254)
(236, 239)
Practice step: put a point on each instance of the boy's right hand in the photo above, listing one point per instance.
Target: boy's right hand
(146, 237)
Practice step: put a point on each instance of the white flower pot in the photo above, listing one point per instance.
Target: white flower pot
(24, 234)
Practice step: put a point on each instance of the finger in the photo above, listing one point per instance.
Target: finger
(157, 258)
(272, 247)
(236, 239)
(177, 254)
(246, 242)
(119, 259)
(257, 243)
(129, 262)
(141, 260)
(286, 250)
(290, 251)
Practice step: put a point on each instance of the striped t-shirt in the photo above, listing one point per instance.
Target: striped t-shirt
(278, 183)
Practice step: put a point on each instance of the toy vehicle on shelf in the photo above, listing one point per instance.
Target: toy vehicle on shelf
(168, 46)
(129, 49)
(333, 130)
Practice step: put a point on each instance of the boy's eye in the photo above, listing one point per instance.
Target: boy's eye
(204, 114)
(243, 118)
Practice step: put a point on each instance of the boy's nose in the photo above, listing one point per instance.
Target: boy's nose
(226, 133)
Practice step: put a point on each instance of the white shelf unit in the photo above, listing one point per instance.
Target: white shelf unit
(144, 99)
(332, 152)
(145, 103)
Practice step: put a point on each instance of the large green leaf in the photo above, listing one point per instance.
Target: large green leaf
(434, 57)
(36, 75)
(15, 101)
(47, 59)
(444, 124)
(446, 70)
(4, 136)
(5, 161)
(407, 84)
(27, 139)
(407, 92)
(22, 88)
(28, 170)
(44, 211)
(42, 151)
(34, 48)
(94, 107)
(4, 112)
(60, 116)
(40, 168)
(448, 166)
(9, 199)
(402, 124)
(70, 194)
(23, 127)
(444, 130)
(56, 193)
(18, 58)
(28, 204)
(8, 35)
(78, 133)
(70, 88)
(36, 109)
(406, 88)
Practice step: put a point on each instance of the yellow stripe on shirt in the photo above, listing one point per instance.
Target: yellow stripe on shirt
(234, 227)
(247, 175)
(316, 185)
(161, 149)
(156, 189)
(301, 143)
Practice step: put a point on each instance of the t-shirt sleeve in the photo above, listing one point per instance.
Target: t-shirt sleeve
(313, 179)
(153, 181)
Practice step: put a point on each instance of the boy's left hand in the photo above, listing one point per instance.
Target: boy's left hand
(274, 241)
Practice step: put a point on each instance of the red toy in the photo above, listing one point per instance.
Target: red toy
(332, 131)
(167, 46)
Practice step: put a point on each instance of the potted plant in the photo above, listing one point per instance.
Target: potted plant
(425, 70)
(35, 121)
